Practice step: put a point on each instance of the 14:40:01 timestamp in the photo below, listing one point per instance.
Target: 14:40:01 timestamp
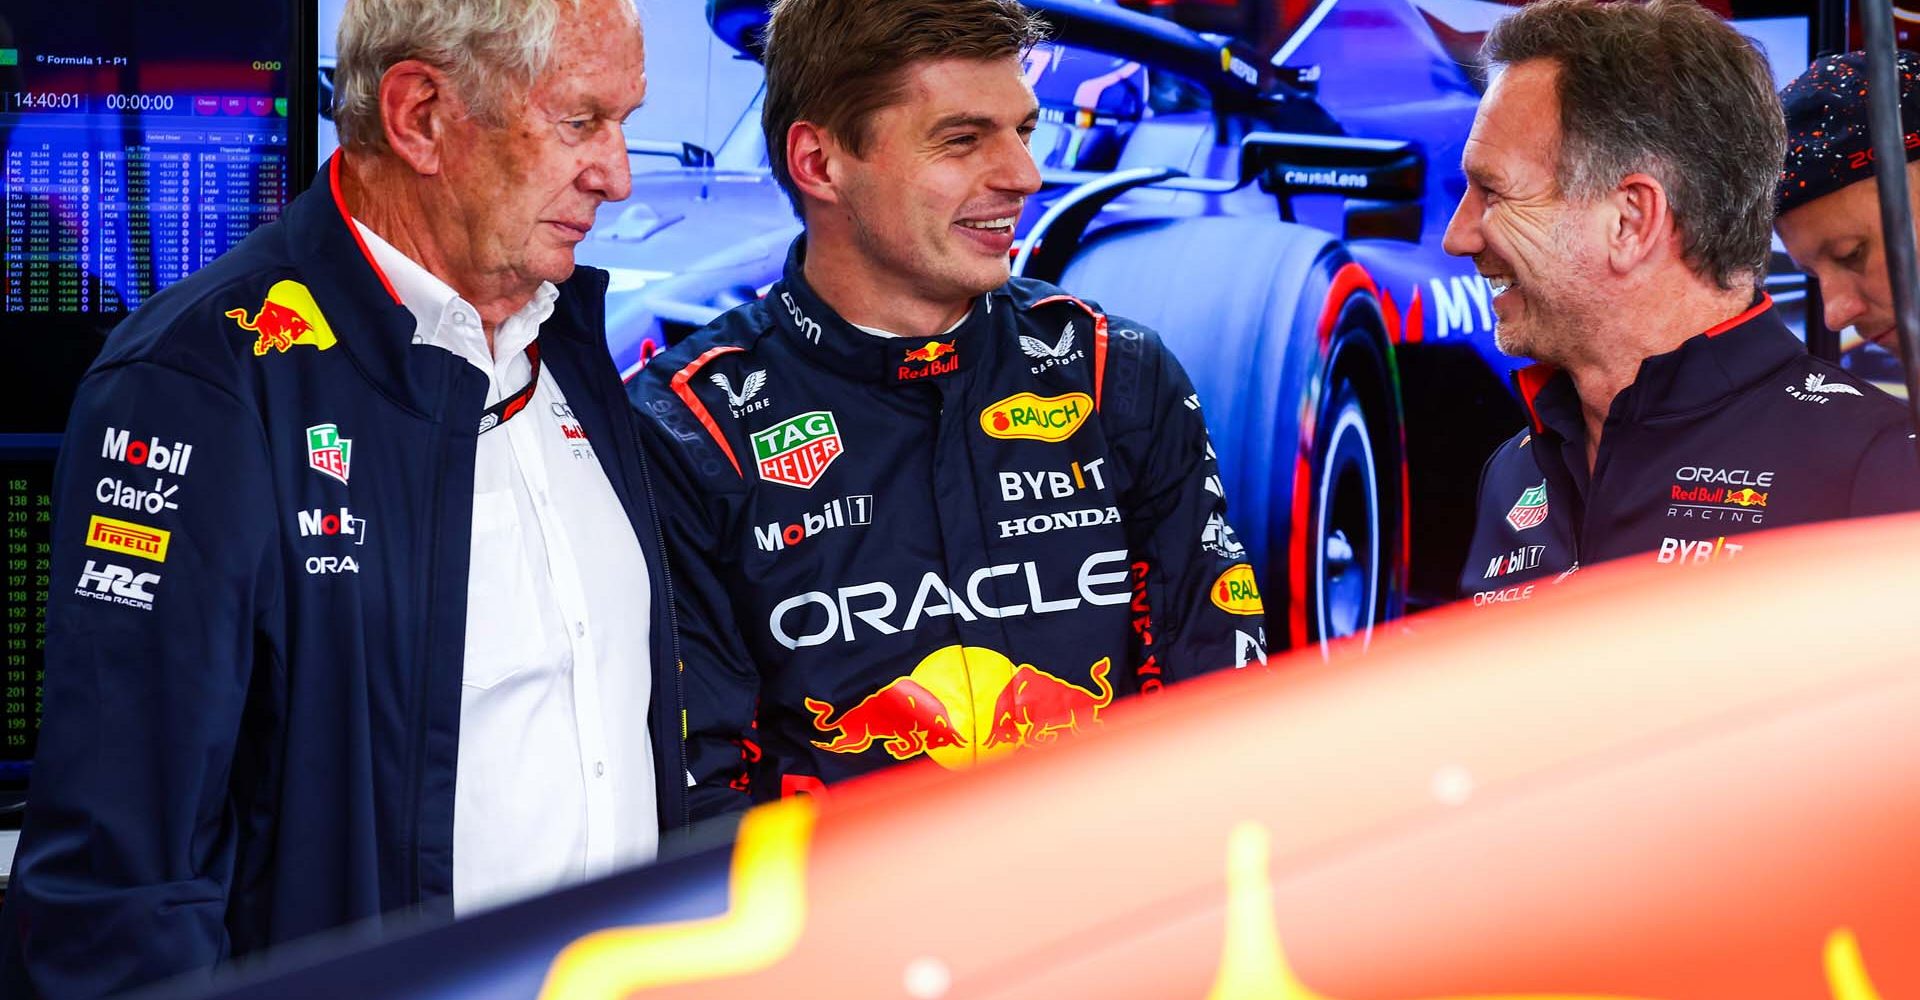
(31, 100)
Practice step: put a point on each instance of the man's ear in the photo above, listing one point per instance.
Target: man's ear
(812, 160)
(414, 107)
(1640, 224)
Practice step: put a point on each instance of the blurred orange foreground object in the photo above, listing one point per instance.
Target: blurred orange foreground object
(1654, 781)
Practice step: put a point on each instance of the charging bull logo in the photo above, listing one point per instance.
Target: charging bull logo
(962, 705)
(926, 361)
(903, 716)
(1036, 707)
(289, 316)
(932, 351)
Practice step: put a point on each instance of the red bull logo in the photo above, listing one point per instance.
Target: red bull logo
(1747, 498)
(931, 352)
(289, 316)
(903, 717)
(962, 705)
(925, 362)
(1036, 707)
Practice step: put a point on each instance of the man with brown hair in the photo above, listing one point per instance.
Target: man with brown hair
(921, 508)
(1619, 176)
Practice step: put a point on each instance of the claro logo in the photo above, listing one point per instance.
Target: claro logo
(1025, 416)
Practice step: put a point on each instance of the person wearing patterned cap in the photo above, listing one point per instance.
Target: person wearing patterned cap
(1828, 205)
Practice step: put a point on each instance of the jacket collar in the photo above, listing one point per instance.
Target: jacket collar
(820, 334)
(1706, 369)
(372, 325)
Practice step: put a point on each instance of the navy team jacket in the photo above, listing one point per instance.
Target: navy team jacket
(257, 617)
(1738, 430)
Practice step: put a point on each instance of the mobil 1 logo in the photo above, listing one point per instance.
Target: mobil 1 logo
(853, 510)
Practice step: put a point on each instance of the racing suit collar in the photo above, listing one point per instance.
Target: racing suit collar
(821, 335)
(1705, 369)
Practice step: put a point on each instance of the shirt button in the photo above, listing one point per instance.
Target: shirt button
(599, 769)
(580, 629)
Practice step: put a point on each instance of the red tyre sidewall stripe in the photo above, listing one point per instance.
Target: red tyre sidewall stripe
(1348, 281)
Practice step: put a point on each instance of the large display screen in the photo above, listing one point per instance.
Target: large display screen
(138, 142)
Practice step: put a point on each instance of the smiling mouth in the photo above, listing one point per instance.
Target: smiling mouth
(1003, 224)
(1501, 284)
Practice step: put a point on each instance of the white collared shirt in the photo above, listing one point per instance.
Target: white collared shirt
(555, 777)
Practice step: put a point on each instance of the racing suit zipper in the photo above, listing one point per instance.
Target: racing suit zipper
(678, 716)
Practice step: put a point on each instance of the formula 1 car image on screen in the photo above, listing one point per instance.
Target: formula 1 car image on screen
(1274, 207)
(1656, 781)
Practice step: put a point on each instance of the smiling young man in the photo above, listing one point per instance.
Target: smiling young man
(1619, 175)
(1828, 202)
(923, 509)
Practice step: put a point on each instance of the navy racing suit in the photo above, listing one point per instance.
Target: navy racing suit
(951, 546)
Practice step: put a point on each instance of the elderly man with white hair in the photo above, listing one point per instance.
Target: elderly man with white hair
(399, 638)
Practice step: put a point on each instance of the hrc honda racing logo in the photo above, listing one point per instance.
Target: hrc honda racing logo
(116, 584)
(817, 616)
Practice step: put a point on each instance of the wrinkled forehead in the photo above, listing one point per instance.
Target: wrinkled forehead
(598, 61)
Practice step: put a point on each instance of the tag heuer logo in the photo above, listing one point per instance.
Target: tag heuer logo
(1531, 509)
(796, 452)
(327, 452)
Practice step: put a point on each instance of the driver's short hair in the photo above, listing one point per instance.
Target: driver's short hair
(836, 62)
(1668, 89)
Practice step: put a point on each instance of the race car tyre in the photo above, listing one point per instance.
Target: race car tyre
(1350, 540)
(1306, 430)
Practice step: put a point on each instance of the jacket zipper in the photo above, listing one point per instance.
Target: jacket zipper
(417, 767)
(679, 716)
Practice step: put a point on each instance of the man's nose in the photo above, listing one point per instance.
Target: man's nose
(1463, 230)
(1840, 305)
(1016, 173)
(610, 174)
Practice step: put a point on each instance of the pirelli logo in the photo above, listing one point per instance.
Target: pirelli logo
(128, 538)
